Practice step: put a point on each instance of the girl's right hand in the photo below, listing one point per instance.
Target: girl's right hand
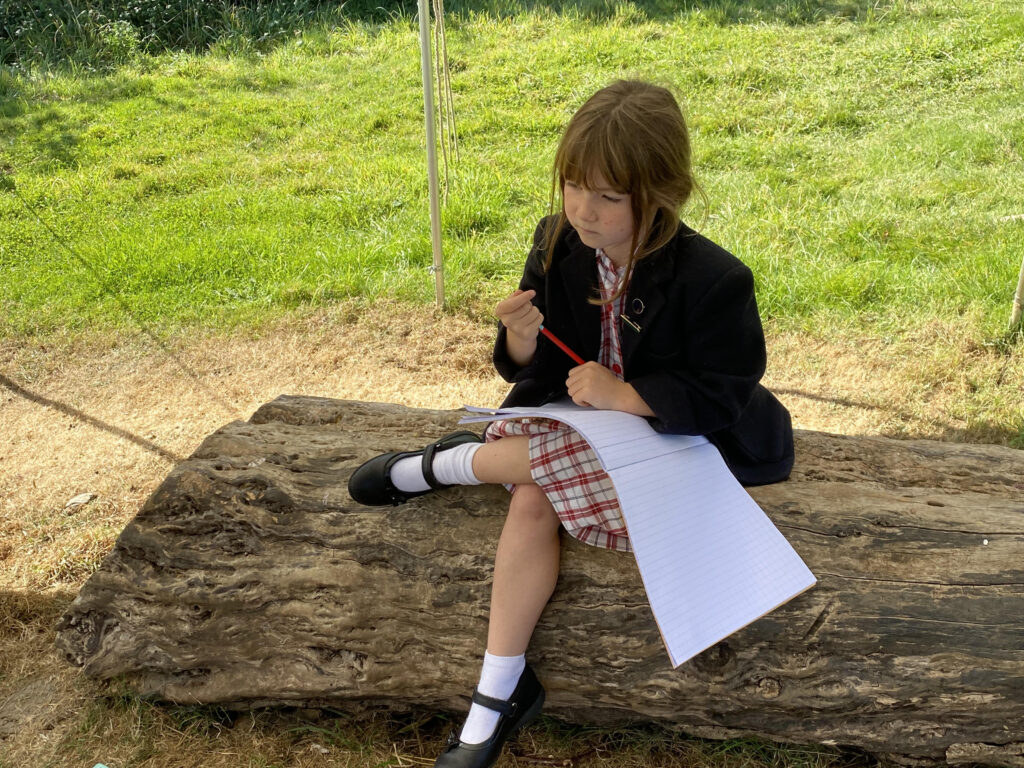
(519, 316)
(523, 321)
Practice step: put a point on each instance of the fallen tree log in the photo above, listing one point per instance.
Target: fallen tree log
(250, 578)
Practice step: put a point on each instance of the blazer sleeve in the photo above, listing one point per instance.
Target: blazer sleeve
(534, 277)
(707, 382)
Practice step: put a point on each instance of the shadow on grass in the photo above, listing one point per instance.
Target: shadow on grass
(980, 432)
(56, 134)
(57, 138)
(266, 28)
(22, 610)
(92, 421)
(11, 103)
(718, 11)
(107, 85)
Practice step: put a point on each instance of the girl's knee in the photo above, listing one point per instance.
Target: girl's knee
(531, 507)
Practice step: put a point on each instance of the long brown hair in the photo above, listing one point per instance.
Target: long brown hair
(634, 135)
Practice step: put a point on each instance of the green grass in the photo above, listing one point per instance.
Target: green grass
(100, 34)
(863, 157)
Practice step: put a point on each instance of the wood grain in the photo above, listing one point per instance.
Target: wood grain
(250, 578)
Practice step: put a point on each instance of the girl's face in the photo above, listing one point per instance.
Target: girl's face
(601, 216)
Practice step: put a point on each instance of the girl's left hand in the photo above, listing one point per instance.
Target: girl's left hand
(593, 384)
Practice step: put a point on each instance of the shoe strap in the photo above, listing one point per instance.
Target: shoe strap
(428, 467)
(506, 708)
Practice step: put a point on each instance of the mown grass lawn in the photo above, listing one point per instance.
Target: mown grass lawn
(867, 165)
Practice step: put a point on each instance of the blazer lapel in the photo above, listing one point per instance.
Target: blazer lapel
(645, 298)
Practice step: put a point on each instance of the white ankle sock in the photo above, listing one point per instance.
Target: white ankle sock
(452, 466)
(498, 679)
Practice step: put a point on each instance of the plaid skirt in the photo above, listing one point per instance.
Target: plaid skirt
(566, 468)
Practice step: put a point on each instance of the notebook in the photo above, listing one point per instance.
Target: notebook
(710, 559)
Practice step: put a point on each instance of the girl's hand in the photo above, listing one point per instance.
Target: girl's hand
(594, 385)
(518, 314)
(523, 322)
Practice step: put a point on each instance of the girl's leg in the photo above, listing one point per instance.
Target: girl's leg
(504, 461)
(525, 566)
(525, 572)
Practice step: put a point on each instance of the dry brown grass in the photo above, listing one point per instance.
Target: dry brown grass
(112, 417)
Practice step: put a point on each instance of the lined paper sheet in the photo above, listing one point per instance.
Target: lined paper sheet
(619, 439)
(710, 559)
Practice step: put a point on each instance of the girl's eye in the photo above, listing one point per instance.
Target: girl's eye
(612, 199)
(571, 184)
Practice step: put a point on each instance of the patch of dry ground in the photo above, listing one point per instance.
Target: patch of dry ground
(111, 419)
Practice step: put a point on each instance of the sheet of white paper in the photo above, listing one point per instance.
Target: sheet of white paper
(710, 559)
(619, 439)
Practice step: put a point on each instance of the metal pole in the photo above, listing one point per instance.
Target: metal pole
(432, 183)
(1018, 299)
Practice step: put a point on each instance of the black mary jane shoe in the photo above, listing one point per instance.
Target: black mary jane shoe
(521, 708)
(371, 483)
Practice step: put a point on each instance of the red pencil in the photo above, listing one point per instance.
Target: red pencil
(562, 346)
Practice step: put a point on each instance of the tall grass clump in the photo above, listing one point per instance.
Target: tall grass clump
(99, 34)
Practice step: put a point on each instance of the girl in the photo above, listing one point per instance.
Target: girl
(669, 325)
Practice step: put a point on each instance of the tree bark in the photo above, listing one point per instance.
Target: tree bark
(250, 578)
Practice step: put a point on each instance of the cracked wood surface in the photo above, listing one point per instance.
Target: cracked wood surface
(250, 578)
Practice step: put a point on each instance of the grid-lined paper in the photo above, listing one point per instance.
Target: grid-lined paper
(710, 559)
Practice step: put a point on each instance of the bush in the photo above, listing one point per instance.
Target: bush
(101, 32)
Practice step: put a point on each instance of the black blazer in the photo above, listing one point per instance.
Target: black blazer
(696, 360)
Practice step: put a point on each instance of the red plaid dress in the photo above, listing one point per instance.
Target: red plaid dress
(562, 463)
